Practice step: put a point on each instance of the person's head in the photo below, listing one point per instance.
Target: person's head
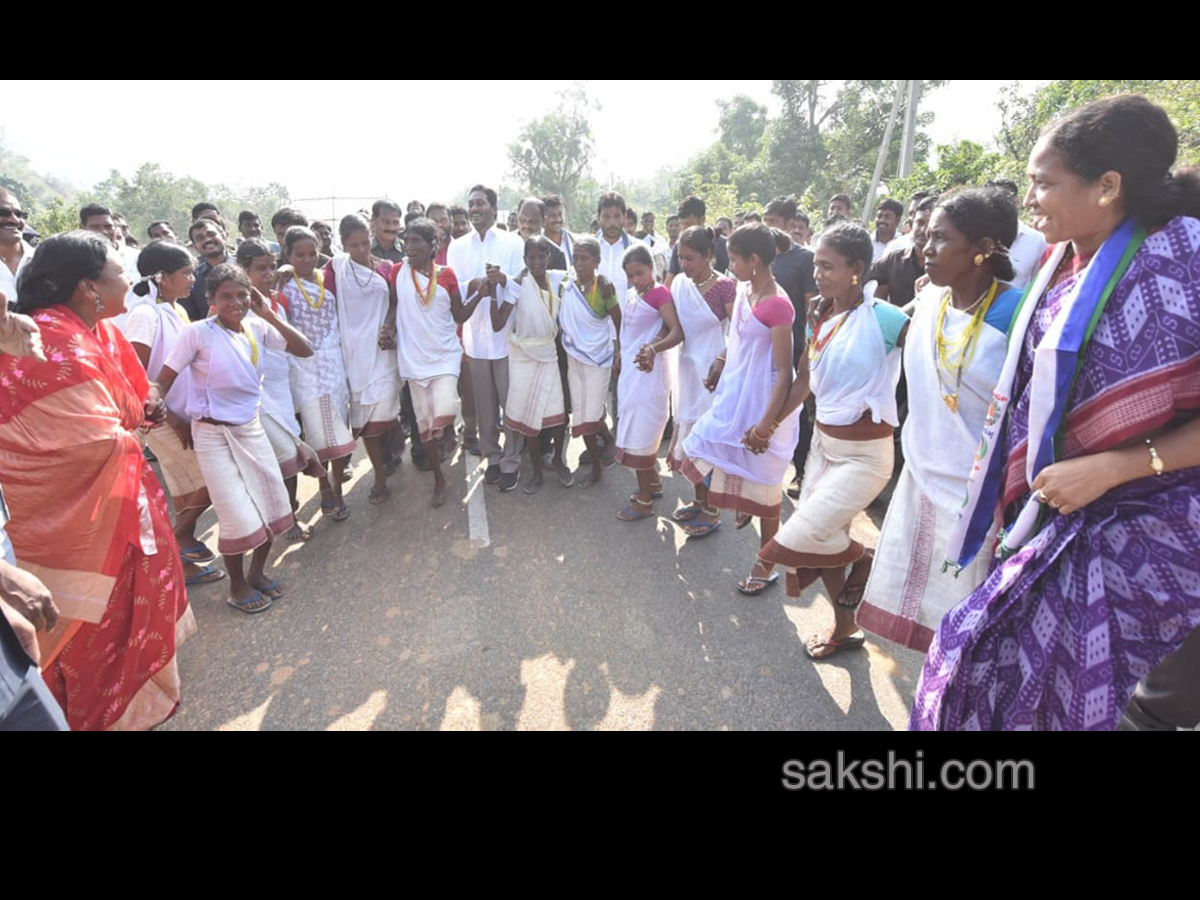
(171, 268)
(611, 213)
(97, 218)
(420, 243)
(513, 224)
(439, 215)
(161, 231)
(203, 207)
(725, 225)
(839, 205)
(970, 230)
(123, 231)
(531, 216)
(586, 265)
(783, 241)
(481, 207)
(739, 218)
(631, 220)
(323, 231)
(751, 217)
(751, 250)
(841, 259)
(460, 221)
(554, 218)
(920, 223)
(301, 249)
(12, 218)
(780, 213)
(674, 228)
(283, 220)
(79, 268)
(255, 256)
(410, 217)
(213, 216)
(887, 220)
(801, 230)
(537, 255)
(249, 224)
(691, 211)
(695, 248)
(385, 221)
(355, 234)
(648, 222)
(415, 206)
(228, 289)
(837, 220)
(639, 267)
(206, 238)
(1006, 183)
(913, 201)
(1103, 162)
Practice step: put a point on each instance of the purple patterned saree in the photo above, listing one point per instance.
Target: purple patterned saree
(1059, 634)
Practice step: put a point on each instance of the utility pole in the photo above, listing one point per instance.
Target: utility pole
(869, 203)
(910, 128)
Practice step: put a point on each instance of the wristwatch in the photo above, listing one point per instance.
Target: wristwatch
(1156, 462)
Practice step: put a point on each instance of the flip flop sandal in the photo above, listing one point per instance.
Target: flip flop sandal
(702, 529)
(634, 511)
(377, 496)
(197, 553)
(687, 512)
(256, 604)
(273, 589)
(531, 488)
(341, 513)
(565, 477)
(607, 460)
(849, 643)
(743, 519)
(855, 589)
(756, 584)
(207, 575)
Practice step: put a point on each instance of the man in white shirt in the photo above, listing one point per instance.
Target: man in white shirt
(659, 249)
(1027, 250)
(887, 220)
(614, 241)
(486, 351)
(15, 251)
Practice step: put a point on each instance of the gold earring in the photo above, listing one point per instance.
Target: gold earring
(1104, 201)
(99, 304)
(753, 272)
(979, 259)
(854, 279)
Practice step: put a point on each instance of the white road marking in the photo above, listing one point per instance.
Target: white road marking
(476, 505)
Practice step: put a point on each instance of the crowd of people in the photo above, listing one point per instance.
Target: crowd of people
(1032, 392)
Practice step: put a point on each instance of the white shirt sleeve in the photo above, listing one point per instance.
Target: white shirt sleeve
(186, 348)
(141, 325)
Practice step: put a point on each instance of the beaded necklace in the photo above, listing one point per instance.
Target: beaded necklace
(249, 336)
(955, 355)
(319, 278)
(425, 298)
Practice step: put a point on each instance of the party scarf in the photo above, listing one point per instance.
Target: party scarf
(1056, 363)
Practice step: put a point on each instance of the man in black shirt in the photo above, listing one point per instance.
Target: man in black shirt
(691, 212)
(209, 243)
(897, 271)
(793, 269)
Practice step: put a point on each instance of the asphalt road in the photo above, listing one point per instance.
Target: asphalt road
(503, 611)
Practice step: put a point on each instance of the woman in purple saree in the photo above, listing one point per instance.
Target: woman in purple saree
(1091, 450)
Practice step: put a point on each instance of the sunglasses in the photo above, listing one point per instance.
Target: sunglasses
(9, 213)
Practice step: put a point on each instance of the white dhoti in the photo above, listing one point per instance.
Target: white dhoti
(435, 404)
(247, 491)
(292, 454)
(588, 385)
(841, 480)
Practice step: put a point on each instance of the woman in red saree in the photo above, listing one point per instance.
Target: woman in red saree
(89, 517)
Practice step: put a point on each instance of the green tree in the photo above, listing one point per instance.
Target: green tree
(552, 154)
(742, 124)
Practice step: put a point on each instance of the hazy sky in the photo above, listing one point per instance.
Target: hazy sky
(401, 139)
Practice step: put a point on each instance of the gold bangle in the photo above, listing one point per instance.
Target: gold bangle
(761, 437)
